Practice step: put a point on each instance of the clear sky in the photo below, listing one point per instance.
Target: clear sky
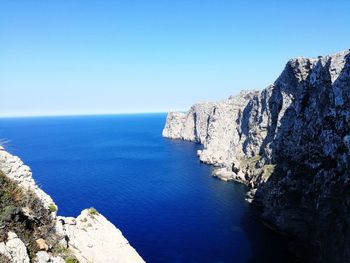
(80, 57)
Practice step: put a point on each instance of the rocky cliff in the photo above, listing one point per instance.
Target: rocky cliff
(30, 230)
(290, 143)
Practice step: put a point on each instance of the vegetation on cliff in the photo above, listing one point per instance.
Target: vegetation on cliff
(23, 213)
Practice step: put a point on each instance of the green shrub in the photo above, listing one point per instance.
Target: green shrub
(60, 250)
(93, 211)
(52, 208)
(12, 200)
(71, 259)
(65, 252)
(22, 212)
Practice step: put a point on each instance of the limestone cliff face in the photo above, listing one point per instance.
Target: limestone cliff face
(290, 143)
(215, 125)
(32, 232)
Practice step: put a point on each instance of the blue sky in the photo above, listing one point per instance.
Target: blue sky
(84, 57)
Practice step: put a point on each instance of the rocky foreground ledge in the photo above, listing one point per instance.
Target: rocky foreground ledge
(290, 144)
(30, 230)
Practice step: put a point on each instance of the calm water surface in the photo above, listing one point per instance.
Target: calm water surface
(155, 190)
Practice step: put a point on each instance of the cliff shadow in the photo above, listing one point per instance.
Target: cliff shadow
(267, 246)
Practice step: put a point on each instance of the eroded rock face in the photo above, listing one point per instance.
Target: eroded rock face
(90, 237)
(290, 143)
(308, 194)
(215, 125)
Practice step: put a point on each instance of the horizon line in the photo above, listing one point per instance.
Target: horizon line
(80, 114)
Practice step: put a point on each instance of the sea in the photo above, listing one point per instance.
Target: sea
(155, 190)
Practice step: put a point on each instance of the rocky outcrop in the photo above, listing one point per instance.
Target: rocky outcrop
(16, 170)
(14, 250)
(90, 234)
(290, 143)
(217, 126)
(36, 234)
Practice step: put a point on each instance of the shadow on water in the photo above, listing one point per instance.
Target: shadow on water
(267, 246)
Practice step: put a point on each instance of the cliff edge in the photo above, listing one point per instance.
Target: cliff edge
(31, 231)
(290, 144)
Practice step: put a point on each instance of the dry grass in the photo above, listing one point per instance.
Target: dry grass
(22, 212)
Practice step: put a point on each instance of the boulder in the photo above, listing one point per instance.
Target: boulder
(14, 249)
(41, 244)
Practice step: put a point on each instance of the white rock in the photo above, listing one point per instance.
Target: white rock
(223, 174)
(14, 249)
(215, 125)
(94, 239)
(44, 257)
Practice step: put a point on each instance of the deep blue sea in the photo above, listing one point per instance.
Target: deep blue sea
(153, 189)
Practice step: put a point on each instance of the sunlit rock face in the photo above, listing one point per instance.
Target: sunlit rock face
(290, 144)
(93, 238)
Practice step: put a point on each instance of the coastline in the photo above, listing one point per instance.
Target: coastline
(289, 144)
(89, 238)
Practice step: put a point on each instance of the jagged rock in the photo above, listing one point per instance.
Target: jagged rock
(67, 220)
(14, 249)
(250, 195)
(291, 142)
(92, 234)
(208, 124)
(44, 257)
(224, 174)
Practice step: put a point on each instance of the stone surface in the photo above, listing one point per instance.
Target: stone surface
(290, 143)
(41, 244)
(14, 249)
(44, 257)
(92, 234)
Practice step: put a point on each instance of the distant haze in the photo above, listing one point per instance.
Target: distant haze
(94, 57)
